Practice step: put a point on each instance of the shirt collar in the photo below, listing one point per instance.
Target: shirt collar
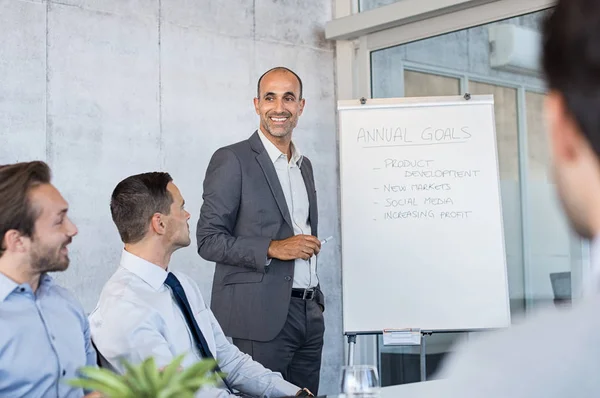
(274, 152)
(7, 285)
(46, 282)
(150, 273)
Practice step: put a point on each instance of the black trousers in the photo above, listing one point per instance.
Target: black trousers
(296, 351)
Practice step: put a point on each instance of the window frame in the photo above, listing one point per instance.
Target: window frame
(358, 34)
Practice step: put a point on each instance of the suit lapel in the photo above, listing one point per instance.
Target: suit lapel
(312, 197)
(271, 175)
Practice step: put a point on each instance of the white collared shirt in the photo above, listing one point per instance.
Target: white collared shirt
(296, 198)
(137, 317)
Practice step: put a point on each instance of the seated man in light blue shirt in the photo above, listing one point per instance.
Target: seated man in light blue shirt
(44, 333)
(145, 310)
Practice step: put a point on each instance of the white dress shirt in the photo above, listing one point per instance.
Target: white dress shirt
(296, 198)
(137, 317)
(554, 353)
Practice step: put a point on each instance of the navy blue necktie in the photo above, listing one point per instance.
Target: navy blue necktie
(184, 305)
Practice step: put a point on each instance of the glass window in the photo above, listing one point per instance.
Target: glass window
(505, 113)
(402, 364)
(540, 262)
(366, 5)
(537, 146)
(549, 240)
(418, 84)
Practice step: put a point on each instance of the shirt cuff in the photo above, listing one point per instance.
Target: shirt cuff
(285, 388)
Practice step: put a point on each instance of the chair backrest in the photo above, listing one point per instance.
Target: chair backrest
(98, 355)
(101, 361)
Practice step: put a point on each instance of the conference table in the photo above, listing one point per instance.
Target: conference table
(426, 389)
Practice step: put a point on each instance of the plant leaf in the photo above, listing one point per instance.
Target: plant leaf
(198, 375)
(111, 383)
(135, 379)
(198, 369)
(175, 391)
(94, 385)
(170, 371)
(152, 377)
(107, 378)
(146, 381)
(194, 384)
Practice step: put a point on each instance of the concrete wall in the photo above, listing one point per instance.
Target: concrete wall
(102, 89)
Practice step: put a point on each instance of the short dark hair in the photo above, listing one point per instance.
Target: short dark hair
(16, 210)
(135, 200)
(571, 62)
(278, 68)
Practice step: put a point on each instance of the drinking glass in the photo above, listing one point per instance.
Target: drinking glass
(360, 381)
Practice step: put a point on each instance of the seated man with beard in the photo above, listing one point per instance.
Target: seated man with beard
(44, 333)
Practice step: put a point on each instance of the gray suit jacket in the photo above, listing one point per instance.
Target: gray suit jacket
(244, 209)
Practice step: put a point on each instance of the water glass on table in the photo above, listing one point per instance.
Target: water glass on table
(360, 381)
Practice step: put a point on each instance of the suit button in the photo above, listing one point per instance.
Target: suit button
(288, 278)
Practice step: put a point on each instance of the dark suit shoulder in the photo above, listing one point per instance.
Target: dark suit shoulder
(240, 148)
(307, 160)
(306, 163)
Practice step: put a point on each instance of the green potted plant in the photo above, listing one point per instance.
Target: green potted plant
(147, 381)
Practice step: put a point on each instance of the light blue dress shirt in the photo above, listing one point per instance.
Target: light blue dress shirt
(44, 339)
(137, 317)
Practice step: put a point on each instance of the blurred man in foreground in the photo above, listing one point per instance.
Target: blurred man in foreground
(556, 353)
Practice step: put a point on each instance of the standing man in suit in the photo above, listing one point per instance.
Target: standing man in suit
(258, 223)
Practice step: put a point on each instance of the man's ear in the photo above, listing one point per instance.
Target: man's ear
(302, 103)
(256, 101)
(157, 223)
(565, 136)
(14, 241)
